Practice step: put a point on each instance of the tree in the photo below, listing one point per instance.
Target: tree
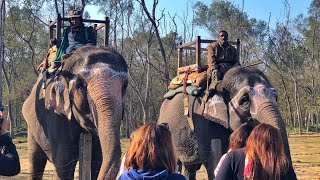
(223, 15)
(24, 49)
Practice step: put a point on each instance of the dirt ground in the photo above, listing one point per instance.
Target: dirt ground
(305, 152)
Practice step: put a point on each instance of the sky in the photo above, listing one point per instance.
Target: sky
(259, 9)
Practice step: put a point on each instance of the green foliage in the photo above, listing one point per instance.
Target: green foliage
(25, 46)
(224, 15)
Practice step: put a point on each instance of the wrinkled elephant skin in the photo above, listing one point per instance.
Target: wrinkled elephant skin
(246, 97)
(192, 148)
(87, 95)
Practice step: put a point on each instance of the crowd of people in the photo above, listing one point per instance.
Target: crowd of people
(254, 153)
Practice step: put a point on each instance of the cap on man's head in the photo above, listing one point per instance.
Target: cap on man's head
(75, 13)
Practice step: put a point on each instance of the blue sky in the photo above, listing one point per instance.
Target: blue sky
(259, 9)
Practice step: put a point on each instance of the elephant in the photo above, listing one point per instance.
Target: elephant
(85, 95)
(244, 95)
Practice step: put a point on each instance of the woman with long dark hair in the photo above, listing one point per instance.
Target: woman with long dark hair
(151, 155)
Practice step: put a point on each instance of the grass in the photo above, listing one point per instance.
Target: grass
(305, 152)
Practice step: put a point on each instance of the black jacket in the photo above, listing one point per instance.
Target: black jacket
(232, 166)
(9, 158)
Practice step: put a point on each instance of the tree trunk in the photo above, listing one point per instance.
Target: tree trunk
(10, 118)
(152, 19)
(2, 19)
(298, 107)
(288, 103)
(146, 95)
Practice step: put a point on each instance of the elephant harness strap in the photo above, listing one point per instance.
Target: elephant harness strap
(49, 73)
(186, 100)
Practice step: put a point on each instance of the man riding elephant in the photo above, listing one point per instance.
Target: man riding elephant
(74, 36)
(221, 57)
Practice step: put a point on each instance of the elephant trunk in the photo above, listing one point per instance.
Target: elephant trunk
(269, 113)
(107, 98)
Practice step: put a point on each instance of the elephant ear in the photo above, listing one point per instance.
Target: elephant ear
(216, 110)
(59, 98)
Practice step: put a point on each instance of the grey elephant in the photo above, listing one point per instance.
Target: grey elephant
(86, 95)
(246, 96)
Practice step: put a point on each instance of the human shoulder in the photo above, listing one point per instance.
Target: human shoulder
(53, 49)
(127, 175)
(88, 28)
(289, 174)
(67, 29)
(5, 139)
(236, 153)
(214, 44)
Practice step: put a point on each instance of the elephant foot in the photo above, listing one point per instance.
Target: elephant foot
(190, 171)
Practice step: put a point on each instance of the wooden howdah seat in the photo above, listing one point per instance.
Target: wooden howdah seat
(190, 73)
(197, 46)
(57, 25)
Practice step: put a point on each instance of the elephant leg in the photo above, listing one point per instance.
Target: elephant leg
(179, 163)
(65, 159)
(190, 171)
(65, 170)
(210, 168)
(96, 160)
(210, 160)
(37, 159)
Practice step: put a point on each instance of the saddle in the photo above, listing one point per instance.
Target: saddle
(195, 79)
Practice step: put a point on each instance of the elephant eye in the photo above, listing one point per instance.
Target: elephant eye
(244, 101)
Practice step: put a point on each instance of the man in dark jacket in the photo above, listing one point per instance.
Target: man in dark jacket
(9, 159)
(221, 57)
(75, 36)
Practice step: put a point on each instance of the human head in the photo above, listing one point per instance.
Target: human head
(53, 41)
(223, 37)
(75, 17)
(239, 137)
(151, 149)
(265, 153)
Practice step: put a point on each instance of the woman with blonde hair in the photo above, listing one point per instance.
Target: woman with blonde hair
(151, 155)
(263, 158)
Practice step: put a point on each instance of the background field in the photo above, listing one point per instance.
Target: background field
(305, 152)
